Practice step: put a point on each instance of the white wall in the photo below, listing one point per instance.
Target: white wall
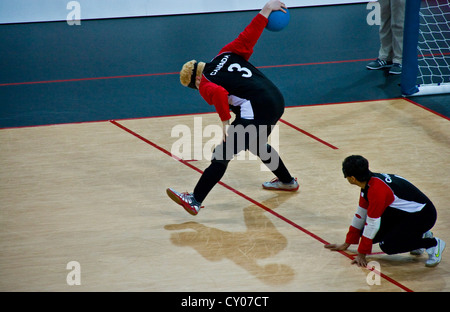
(19, 11)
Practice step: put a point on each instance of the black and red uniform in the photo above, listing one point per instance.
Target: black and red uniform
(392, 212)
(229, 81)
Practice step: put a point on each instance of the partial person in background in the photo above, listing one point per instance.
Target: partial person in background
(392, 16)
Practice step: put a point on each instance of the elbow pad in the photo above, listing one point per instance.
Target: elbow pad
(372, 227)
(359, 218)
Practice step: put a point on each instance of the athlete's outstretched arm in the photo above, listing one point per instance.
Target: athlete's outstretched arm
(244, 43)
(273, 5)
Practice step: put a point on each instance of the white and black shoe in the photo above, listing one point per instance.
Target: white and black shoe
(396, 69)
(379, 64)
(186, 200)
(276, 184)
(435, 253)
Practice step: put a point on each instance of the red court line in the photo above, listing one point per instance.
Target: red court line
(308, 134)
(84, 79)
(426, 108)
(176, 73)
(317, 63)
(434, 54)
(345, 61)
(173, 73)
(252, 201)
(204, 113)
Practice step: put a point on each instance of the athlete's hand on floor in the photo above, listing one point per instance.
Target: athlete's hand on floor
(360, 260)
(336, 247)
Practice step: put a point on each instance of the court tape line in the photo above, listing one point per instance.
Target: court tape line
(308, 134)
(177, 73)
(254, 202)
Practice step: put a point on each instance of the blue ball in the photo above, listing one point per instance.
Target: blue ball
(278, 20)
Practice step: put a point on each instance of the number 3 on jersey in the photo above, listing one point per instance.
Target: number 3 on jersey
(246, 72)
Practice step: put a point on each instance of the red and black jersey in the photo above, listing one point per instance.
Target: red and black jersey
(229, 80)
(382, 191)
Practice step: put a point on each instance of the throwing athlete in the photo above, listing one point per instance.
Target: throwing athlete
(230, 81)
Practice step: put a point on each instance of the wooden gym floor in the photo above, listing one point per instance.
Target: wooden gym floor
(95, 193)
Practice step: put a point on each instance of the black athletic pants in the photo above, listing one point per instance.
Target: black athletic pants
(402, 231)
(243, 134)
